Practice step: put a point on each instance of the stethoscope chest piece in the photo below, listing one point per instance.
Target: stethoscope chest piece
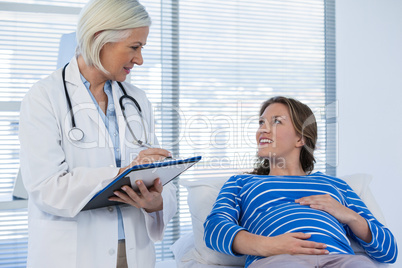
(76, 134)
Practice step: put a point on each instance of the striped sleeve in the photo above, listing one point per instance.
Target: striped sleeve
(383, 247)
(221, 225)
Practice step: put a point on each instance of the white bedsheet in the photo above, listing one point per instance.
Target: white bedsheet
(166, 264)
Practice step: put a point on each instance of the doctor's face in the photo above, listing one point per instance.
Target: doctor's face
(118, 58)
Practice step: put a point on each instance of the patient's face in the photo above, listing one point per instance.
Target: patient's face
(276, 136)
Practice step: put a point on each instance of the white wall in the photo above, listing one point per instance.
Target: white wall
(369, 93)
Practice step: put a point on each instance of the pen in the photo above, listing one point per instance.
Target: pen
(143, 144)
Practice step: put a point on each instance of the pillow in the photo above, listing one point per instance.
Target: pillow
(184, 244)
(181, 247)
(203, 193)
(201, 197)
(360, 184)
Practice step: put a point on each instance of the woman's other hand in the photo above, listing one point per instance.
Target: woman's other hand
(149, 199)
(289, 243)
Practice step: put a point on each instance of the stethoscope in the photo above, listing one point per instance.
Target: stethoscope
(77, 134)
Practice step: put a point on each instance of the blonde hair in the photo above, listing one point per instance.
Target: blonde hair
(106, 21)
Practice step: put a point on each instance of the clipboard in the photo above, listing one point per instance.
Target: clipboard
(165, 171)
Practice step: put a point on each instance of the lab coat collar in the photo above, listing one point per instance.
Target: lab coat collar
(78, 93)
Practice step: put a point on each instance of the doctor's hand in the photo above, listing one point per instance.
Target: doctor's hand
(148, 156)
(149, 199)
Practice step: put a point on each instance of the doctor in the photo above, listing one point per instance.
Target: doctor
(68, 157)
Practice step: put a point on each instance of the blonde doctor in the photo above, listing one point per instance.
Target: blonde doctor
(76, 137)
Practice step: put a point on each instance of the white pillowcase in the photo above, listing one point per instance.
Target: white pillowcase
(360, 184)
(202, 195)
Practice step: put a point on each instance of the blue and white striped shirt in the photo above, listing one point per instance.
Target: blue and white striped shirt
(265, 205)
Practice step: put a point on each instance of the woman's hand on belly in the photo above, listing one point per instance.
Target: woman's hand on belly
(344, 215)
(328, 204)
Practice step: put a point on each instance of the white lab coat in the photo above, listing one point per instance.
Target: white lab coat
(61, 176)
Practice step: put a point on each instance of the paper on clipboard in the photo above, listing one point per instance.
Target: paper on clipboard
(165, 171)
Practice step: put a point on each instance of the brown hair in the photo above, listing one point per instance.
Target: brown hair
(305, 124)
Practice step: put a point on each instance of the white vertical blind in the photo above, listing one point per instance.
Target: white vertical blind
(208, 65)
(29, 39)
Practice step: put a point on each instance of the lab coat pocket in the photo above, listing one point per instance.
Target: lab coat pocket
(58, 239)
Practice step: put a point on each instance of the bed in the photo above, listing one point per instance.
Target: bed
(190, 250)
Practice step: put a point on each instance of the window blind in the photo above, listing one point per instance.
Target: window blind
(208, 65)
(30, 32)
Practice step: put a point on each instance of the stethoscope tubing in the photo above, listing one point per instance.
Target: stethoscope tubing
(77, 134)
(63, 74)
